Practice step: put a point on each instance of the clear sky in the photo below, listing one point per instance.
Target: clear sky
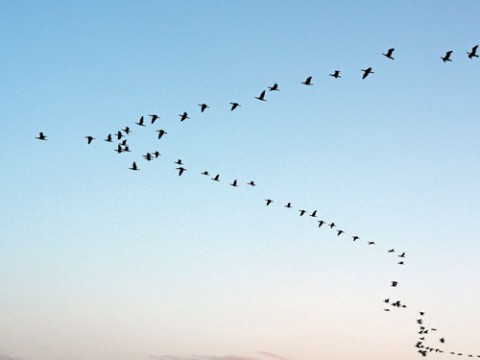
(98, 262)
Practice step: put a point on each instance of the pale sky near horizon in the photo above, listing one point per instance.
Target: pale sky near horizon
(98, 262)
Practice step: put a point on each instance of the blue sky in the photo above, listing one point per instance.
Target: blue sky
(100, 262)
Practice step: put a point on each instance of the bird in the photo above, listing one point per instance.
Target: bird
(234, 105)
(274, 87)
(154, 117)
(109, 138)
(442, 340)
(140, 122)
(126, 130)
(269, 201)
(119, 149)
(251, 183)
(134, 167)
(394, 284)
(181, 170)
(320, 223)
(402, 255)
(234, 183)
(124, 142)
(389, 54)
(367, 72)
(148, 157)
(41, 136)
(89, 139)
(386, 300)
(391, 250)
(308, 81)
(421, 313)
(386, 309)
(340, 232)
(336, 74)
(314, 213)
(288, 205)
(126, 149)
(447, 55)
(400, 263)
(119, 135)
(473, 53)
(203, 107)
(183, 116)
(302, 212)
(331, 225)
(157, 154)
(216, 178)
(161, 132)
(371, 243)
(261, 97)
(355, 238)
(205, 173)
(179, 162)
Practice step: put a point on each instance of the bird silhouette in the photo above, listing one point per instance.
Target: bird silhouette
(389, 53)
(274, 87)
(391, 250)
(124, 142)
(156, 154)
(134, 167)
(126, 130)
(109, 138)
(89, 139)
(336, 74)
(154, 117)
(205, 173)
(288, 205)
(41, 136)
(302, 212)
(367, 72)
(179, 162)
(251, 183)
(473, 53)
(320, 223)
(119, 149)
(119, 135)
(314, 213)
(355, 238)
(261, 97)
(442, 340)
(394, 283)
(148, 157)
(340, 232)
(447, 56)
(183, 116)
(401, 263)
(140, 122)
(203, 107)
(402, 255)
(371, 243)
(386, 300)
(234, 183)
(216, 178)
(234, 105)
(161, 132)
(181, 170)
(308, 81)
(126, 149)
(331, 225)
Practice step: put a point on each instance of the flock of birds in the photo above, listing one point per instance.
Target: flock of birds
(121, 137)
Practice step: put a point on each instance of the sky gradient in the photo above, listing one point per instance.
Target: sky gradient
(100, 262)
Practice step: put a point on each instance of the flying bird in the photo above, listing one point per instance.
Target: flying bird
(181, 170)
(340, 232)
(157, 154)
(371, 243)
(161, 132)
(336, 74)
(89, 139)
(302, 212)
(154, 117)
(367, 72)
(320, 223)
(234, 105)
(269, 201)
(314, 213)
(119, 149)
(261, 97)
(205, 173)
(402, 255)
(203, 107)
(274, 87)
(331, 225)
(179, 162)
(119, 135)
(41, 136)
(148, 157)
(389, 54)
(251, 183)
(447, 55)
(355, 238)
(109, 138)
(391, 250)
(308, 81)
(140, 122)
(288, 205)
(126, 149)
(234, 183)
(183, 116)
(386, 300)
(473, 53)
(394, 284)
(216, 178)
(134, 167)
(442, 340)
(126, 130)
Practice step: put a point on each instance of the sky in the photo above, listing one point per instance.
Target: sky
(98, 262)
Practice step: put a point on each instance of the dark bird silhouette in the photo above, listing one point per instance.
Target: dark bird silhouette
(251, 183)
(331, 225)
(179, 162)
(140, 122)
(205, 173)
(355, 238)
(386, 300)
(288, 205)
(216, 178)
(320, 223)
(124, 142)
(314, 213)
(126, 130)
(183, 116)
(269, 201)
(89, 139)
(402, 255)
(473, 53)
(367, 72)
(394, 284)
(41, 136)
(336, 74)
(447, 56)
(371, 243)
(302, 212)
(126, 149)
(274, 87)
(148, 157)
(391, 250)
(340, 232)
(156, 154)
(442, 340)
(234, 183)
(421, 313)
(401, 263)
(386, 309)
(134, 167)
(161, 132)
(154, 117)
(119, 149)
(181, 170)
(389, 53)
(203, 107)
(261, 97)
(308, 81)
(109, 138)
(119, 135)
(234, 105)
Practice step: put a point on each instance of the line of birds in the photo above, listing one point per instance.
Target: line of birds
(123, 146)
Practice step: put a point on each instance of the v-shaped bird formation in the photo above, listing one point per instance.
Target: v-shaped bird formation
(428, 342)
